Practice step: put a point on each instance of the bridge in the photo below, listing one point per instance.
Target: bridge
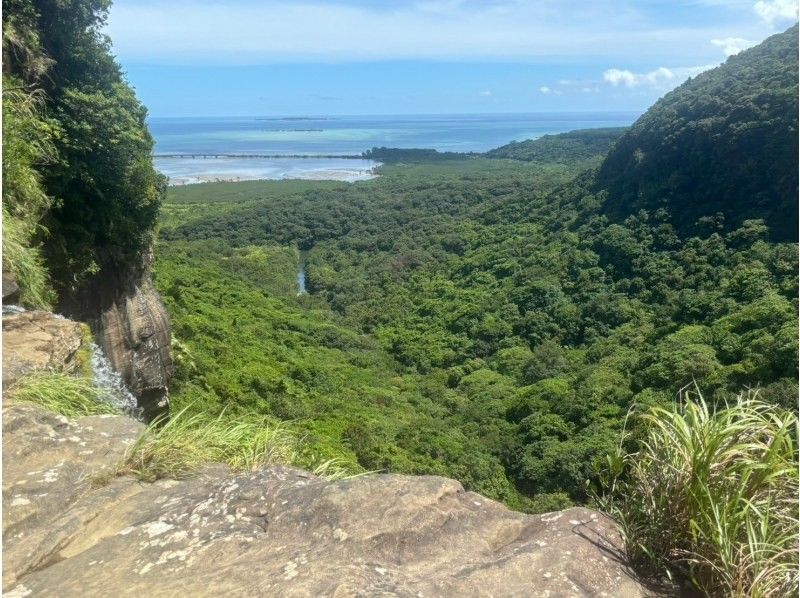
(262, 156)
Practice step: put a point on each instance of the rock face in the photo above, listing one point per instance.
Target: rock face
(275, 532)
(39, 340)
(47, 463)
(131, 324)
(134, 331)
(11, 289)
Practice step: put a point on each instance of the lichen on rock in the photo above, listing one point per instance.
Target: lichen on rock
(278, 531)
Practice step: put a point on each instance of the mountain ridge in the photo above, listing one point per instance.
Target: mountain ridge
(724, 142)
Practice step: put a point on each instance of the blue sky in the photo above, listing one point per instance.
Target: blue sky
(278, 57)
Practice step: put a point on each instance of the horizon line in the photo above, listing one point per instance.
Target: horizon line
(350, 115)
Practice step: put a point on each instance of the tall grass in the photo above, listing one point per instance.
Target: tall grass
(71, 396)
(184, 443)
(25, 261)
(712, 495)
(27, 148)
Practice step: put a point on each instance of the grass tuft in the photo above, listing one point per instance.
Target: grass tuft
(184, 443)
(67, 395)
(713, 495)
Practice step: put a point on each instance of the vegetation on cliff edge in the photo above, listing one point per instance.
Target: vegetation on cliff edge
(712, 493)
(80, 193)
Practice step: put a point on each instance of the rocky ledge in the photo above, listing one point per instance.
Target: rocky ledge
(39, 340)
(274, 532)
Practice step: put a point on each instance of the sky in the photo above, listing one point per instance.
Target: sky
(337, 57)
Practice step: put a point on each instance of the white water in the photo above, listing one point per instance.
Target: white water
(301, 280)
(105, 378)
(109, 381)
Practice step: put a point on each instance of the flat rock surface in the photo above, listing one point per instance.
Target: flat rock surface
(275, 532)
(38, 340)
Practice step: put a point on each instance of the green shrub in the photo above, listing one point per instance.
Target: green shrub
(67, 395)
(27, 146)
(712, 494)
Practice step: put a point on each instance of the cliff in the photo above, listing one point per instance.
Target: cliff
(73, 528)
(132, 326)
(130, 323)
(277, 531)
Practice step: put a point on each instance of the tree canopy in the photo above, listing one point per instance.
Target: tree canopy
(718, 150)
(90, 155)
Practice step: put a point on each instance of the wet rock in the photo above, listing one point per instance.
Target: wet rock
(131, 324)
(134, 331)
(39, 340)
(11, 292)
(279, 531)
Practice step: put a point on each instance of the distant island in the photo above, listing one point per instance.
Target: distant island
(297, 118)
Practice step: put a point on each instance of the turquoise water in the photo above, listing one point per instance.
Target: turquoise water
(338, 136)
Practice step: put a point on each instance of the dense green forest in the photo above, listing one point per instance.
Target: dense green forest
(564, 148)
(527, 320)
(488, 319)
(719, 150)
(80, 194)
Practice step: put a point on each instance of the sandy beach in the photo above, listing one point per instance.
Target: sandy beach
(326, 175)
(188, 171)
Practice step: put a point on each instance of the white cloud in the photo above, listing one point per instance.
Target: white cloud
(660, 78)
(774, 11)
(545, 90)
(485, 93)
(618, 77)
(732, 45)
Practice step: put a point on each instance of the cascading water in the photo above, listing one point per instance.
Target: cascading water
(105, 378)
(301, 274)
(109, 382)
(301, 280)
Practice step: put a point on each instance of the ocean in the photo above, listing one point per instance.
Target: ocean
(190, 150)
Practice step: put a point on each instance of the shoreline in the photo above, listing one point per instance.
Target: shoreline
(328, 175)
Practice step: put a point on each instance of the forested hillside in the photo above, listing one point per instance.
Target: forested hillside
(526, 321)
(564, 148)
(482, 318)
(80, 194)
(719, 150)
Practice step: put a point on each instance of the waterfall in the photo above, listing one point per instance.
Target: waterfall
(301, 280)
(109, 382)
(301, 273)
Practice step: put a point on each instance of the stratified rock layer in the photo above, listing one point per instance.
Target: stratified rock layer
(39, 340)
(134, 331)
(275, 532)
